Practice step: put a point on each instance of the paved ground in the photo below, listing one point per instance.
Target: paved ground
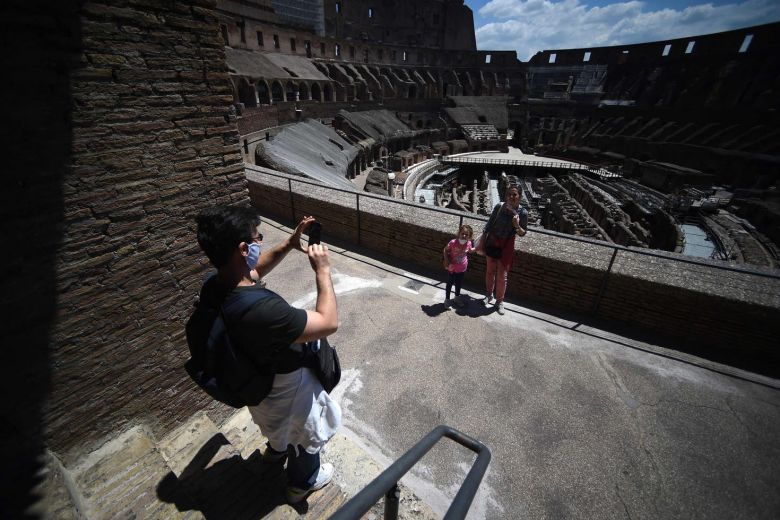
(581, 423)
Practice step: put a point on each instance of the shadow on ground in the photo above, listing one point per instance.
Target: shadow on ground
(229, 488)
(471, 307)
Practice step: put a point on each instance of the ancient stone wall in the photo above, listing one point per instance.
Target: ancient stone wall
(135, 135)
(430, 24)
(705, 102)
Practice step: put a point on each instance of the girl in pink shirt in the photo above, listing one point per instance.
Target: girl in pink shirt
(456, 261)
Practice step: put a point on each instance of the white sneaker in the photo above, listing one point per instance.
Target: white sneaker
(488, 300)
(500, 308)
(325, 475)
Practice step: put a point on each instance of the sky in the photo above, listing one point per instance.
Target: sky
(529, 26)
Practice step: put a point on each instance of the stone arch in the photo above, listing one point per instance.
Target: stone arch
(234, 85)
(246, 93)
(361, 91)
(291, 91)
(327, 93)
(316, 93)
(340, 93)
(263, 92)
(277, 92)
(303, 91)
(412, 92)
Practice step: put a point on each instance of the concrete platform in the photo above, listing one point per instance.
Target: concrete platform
(582, 422)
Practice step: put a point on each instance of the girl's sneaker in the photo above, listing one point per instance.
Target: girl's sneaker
(488, 300)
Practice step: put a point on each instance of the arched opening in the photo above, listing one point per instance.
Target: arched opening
(412, 91)
(362, 92)
(263, 94)
(277, 94)
(246, 94)
(234, 87)
(340, 92)
(328, 93)
(291, 90)
(316, 93)
(303, 91)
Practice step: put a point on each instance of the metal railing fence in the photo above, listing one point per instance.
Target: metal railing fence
(614, 247)
(386, 484)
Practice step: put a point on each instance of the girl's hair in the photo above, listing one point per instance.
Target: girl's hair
(513, 187)
(467, 228)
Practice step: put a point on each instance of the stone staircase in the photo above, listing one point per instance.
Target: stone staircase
(201, 470)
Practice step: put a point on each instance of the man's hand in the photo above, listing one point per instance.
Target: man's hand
(295, 238)
(319, 258)
(324, 320)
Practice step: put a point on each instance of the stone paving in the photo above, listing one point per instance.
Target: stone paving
(582, 423)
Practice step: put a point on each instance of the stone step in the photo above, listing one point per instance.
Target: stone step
(203, 470)
(54, 501)
(119, 480)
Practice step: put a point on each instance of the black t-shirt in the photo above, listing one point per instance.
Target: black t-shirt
(264, 330)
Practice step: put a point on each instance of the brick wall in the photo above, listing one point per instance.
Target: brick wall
(132, 104)
(694, 307)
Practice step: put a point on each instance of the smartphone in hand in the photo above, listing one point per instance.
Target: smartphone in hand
(315, 233)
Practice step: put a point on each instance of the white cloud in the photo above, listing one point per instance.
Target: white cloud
(529, 26)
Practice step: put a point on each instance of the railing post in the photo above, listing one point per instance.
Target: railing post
(461, 223)
(357, 206)
(292, 200)
(392, 498)
(604, 282)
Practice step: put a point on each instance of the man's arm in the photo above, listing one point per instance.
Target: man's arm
(271, 258)
(324, 320)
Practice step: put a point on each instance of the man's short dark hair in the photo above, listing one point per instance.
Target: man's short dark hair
(222, 228)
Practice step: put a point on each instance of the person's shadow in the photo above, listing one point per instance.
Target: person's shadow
(230, 488)
(471, 307)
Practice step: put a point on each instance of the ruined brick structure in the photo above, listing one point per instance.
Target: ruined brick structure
(706, 102)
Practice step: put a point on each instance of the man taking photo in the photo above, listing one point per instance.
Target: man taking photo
(297, 416)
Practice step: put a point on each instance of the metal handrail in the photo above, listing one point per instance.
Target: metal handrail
(386, 484)
(541, 231)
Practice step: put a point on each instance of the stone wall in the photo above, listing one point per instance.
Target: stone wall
(696, 306)
(128, 103)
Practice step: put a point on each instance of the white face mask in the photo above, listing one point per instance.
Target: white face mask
(462, 241)
(253, 256)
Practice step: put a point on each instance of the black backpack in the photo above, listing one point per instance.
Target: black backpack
(219, 365)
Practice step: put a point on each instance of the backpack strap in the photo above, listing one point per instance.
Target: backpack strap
(493, 216)
(240, 306)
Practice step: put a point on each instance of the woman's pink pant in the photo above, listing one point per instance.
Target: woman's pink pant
(495, 278)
